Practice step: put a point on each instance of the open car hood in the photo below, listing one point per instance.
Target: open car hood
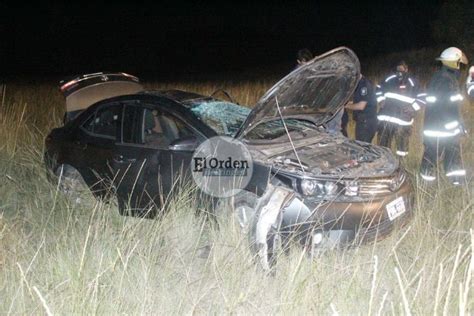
(316, 90)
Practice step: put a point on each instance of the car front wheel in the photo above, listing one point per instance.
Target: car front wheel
(260, 218)
(239, 208)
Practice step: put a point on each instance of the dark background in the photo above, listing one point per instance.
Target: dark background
(179, 39)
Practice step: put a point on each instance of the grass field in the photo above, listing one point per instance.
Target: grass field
(59, 257)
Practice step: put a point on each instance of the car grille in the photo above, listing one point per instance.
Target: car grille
(381, 186)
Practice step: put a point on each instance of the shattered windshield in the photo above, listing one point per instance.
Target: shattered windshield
(223, 117)
(275, 130)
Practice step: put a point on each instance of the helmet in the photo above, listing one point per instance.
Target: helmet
(452, 57)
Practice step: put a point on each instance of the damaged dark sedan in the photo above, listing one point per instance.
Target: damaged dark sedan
(307, 185)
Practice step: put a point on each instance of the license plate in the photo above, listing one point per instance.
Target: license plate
(395, 208)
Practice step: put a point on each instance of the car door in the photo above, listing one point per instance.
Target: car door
(93, 146)
(144, 167)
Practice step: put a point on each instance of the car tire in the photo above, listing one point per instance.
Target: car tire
(268, 253)
(69, 181)
(240, 208)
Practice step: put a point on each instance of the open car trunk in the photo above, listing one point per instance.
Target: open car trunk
(83, 91)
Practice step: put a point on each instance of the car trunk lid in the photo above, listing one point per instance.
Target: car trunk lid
(83, 91)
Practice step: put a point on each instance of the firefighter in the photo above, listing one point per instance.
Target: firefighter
(364, 107)
(442, 126)
(470, 83)
(397, 95)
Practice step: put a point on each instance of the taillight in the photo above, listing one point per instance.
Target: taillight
(67, 85)
(130, 76)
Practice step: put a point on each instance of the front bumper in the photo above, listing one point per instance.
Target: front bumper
(343, 223)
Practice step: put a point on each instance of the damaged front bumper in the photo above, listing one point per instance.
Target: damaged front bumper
(268, 222)
(333, 224)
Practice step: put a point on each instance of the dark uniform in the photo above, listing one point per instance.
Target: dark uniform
(366, 120)
(399, 93)
(442, 126)
(344, 123)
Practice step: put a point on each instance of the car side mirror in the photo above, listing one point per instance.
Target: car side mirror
(188, 143)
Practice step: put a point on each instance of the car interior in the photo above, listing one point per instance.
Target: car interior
(140, 126)
(160, 129)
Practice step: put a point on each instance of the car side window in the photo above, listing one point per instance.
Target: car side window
(151, 127)
(105, 122)
(161, 129)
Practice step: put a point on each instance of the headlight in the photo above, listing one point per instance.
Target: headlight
(319, 187)
(330, 188)
(310, 187)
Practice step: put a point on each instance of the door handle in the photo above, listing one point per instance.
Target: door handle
(122, 159)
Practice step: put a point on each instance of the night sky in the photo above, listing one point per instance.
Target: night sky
(175, 39)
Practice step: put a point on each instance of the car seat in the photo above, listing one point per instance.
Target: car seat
(170, 129)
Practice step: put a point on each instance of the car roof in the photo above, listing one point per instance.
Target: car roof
(184, 97)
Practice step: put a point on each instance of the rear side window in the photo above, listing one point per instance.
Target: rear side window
(105, 122)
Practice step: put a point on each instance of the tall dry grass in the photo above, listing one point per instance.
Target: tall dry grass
(60, 257)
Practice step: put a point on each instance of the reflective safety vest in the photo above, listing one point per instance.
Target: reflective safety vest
(442, 104)
(401, 100)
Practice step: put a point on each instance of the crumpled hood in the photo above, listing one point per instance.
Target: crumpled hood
(330, 156)
(317, 90)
